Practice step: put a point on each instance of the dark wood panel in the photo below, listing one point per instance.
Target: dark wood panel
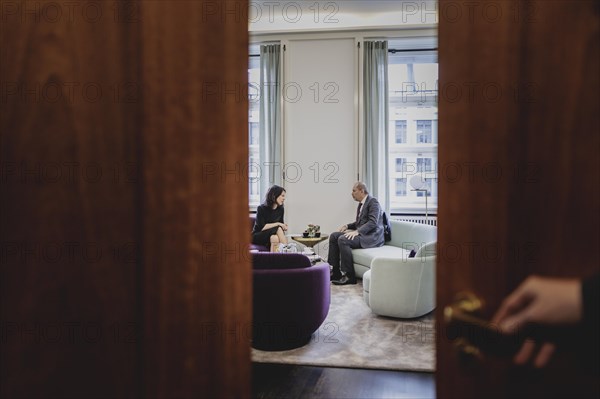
(110, 281)
(68, 223)
(518, 119)
(197, 290)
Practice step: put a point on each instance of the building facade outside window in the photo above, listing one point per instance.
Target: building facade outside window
(413, 134)
(424, 165)
(401, 187)
(424, 131)
(430, 189)
(400, 131)
(400, 164)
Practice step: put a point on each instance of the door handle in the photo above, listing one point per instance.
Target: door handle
(472, 335)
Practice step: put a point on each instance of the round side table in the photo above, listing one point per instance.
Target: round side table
(310, 241)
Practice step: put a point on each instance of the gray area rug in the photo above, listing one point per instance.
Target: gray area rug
(352, 336)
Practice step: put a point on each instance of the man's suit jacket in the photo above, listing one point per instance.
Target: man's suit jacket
(369, 224)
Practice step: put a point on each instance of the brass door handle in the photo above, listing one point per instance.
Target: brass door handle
(473, 335)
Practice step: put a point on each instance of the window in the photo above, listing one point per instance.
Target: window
(424, 131)
(253, 129)
(423, 164)
(400, 187)
(254, 126)
(400, 164)
(413, 132)
(429, 188)
(400, 132)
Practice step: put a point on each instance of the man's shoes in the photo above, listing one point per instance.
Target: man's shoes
(334, 274)
(345, 280)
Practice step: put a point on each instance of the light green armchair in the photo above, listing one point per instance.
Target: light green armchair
(402, 287)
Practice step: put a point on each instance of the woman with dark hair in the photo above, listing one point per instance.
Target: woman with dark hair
(269, 228)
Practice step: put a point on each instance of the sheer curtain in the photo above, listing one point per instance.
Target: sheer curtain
(375, 101)
(270, 117)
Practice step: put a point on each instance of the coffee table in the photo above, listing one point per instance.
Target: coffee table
(310, 241)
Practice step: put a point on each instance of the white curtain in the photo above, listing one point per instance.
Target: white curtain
(375, 100)
(270, 117)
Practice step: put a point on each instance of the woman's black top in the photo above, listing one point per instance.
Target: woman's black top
(266, 215)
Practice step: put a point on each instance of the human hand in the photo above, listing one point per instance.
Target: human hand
(541, 353)
(541, 300)
(544, 301)
(283, 226)
(351, 234)
(343, 228)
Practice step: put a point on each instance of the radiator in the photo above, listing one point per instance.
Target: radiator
(431, 220)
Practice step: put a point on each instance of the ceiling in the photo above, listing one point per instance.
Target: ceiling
(270, 16)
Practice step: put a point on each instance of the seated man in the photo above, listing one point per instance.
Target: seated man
(365, 232)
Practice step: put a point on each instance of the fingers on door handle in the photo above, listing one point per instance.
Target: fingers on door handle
(473, 335)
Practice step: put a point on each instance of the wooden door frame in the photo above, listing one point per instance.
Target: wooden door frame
(524, 199)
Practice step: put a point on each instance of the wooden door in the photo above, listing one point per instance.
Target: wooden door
(519, 172)
(123, 205)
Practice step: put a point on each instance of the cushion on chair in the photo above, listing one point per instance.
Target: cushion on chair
(259, 248)
(274, 260)
(364, 256)
(409, 235)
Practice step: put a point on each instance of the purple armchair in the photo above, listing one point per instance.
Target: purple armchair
(291, 300)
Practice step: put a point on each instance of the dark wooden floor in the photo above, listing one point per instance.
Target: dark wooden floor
(292, 381)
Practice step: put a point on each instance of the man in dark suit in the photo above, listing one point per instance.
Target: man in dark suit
(365, 232)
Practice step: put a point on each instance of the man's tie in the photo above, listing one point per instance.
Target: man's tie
(358, 211)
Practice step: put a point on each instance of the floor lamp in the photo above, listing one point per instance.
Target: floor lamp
(418, 183)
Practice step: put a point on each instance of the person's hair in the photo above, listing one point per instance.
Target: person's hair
(362, 187)
(271, 197)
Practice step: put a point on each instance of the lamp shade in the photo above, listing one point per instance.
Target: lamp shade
(417, 182)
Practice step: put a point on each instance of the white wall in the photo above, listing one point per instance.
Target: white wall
(320, 142)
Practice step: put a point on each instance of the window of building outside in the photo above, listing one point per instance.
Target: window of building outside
(413, 134)
(253, 128)
(401, 187)
(400, 131)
